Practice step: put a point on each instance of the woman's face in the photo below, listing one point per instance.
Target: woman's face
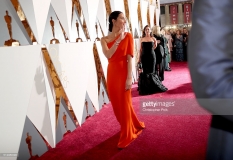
(120, 21)
(147, 30)
(162, 32)
(158, 31)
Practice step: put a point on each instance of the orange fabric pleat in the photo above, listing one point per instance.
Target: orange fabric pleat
(121, 99)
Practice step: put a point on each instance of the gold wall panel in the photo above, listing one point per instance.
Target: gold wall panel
(18, 9)
(102, 32)
(29, 31)
(148, 16)
(86, 30)
(21, 15)
(155, 19)
(139, 18)
(108, 7)
(78, 6)
(99, 69)
(59, 90)
(126, 9)
(128, 15)
(136, 51)
(15, 4)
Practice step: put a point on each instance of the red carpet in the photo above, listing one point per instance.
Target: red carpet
(166, 137)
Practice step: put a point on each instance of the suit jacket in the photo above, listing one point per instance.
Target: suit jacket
(163, 42)
(210, 58)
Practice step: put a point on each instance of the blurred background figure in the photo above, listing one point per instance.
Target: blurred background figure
(178, 44)
(159, 52)
(166, 50)
(185, 43)
(169, 39)
(210, 59)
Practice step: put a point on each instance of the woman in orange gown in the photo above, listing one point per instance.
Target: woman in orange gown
(118, 48)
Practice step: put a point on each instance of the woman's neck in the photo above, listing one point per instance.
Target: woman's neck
(115, 32)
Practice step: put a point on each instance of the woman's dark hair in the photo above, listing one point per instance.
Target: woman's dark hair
(112, 16)
(144, 33)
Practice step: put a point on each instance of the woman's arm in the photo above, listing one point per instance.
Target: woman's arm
(155, 43)
(128, 83)
(168, 48)
(108, 52)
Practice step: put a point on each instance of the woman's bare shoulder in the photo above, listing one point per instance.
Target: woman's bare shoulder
(128, 34)
(153, 38)
(142, 39)
(104, 39)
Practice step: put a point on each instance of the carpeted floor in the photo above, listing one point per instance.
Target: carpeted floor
(166, 137)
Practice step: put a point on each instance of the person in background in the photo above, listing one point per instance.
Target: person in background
(166, 50)
(210, 59)
(179, 46)
(170, 46)
(159, 52)
(149, 82)
(173, 35)
(185, 43)
(119, 50)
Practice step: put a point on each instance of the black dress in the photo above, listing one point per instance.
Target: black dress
(149, 82)
(160, 56)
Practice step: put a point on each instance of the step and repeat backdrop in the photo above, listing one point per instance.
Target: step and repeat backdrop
(53, 70)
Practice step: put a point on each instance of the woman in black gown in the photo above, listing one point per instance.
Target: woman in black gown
(149, 82)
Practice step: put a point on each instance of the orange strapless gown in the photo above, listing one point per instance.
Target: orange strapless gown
(121, 99)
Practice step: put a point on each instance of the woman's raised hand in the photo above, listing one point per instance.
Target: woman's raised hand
(122, 35)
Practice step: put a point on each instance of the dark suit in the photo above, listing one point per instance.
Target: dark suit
(210, 56)
(160, 56)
